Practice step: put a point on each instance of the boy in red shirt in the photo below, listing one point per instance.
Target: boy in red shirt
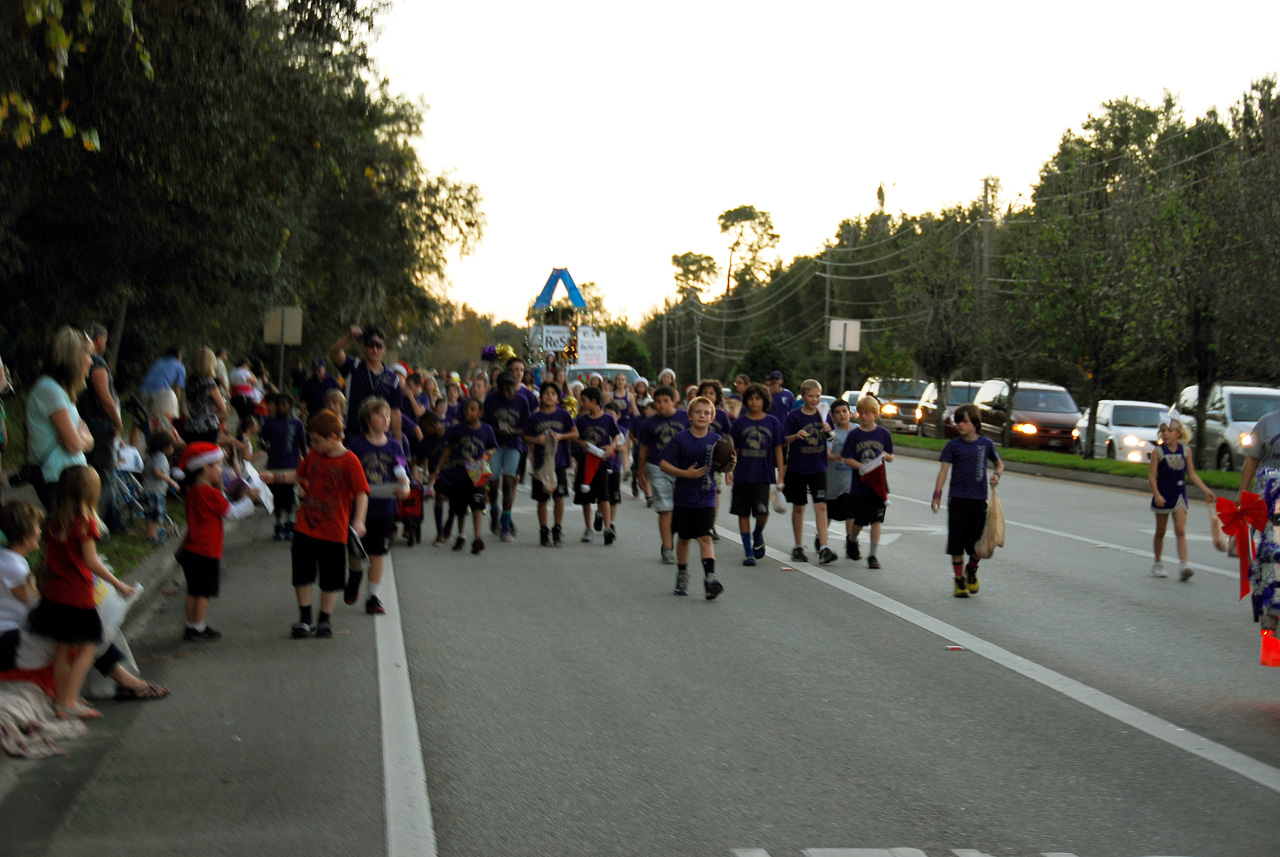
(332, 482)
(201, 552)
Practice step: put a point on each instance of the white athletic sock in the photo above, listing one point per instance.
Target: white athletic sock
(373, 588)
(874, 545)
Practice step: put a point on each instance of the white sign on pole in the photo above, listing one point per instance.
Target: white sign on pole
(593, 348)
(845, 334)
(552, 337)
(282, 325)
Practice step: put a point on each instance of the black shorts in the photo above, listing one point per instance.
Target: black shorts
(312, 555)
(750, 498)
(463, 496)
(965, 520)
(840, 508)
(797, 487)
(202, 572)
(693, 522)
(864, 509)
(540, 494)
(596, 492)
(285, 498)
(615, 488)
(64, 623)
(377, 535)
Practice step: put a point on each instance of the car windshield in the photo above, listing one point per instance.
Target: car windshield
(1048, 401)
(960, 395)
(1137, 417)
(1249, 408)
(901, 388)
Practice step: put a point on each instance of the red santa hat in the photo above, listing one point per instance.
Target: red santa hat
(197, 456)
(872, 475)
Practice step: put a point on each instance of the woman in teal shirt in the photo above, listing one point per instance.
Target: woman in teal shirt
(56, 436)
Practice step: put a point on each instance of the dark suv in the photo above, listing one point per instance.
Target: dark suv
(898, 398)
(1043, 415)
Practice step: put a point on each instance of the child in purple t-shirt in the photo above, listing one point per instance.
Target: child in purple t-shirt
(544, 431)
(868, 445)
(387, 473)
(966, 458)
(466, 447)
(806, 434)
(757, 438)
(285, 438)
(597, 434)
(687, 458)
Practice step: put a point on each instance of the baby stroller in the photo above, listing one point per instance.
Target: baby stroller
(409, 511)
(128, 493)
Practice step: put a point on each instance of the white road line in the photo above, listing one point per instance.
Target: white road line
(1130, 715)
(1086, 540)
(410, 832)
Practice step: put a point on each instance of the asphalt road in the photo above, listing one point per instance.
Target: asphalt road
(564, 702)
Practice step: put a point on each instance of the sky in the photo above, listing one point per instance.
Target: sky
(607, 137)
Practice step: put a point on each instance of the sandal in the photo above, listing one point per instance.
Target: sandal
(146, 694)
(79, 711)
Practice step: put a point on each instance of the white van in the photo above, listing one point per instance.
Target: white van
(608, 370)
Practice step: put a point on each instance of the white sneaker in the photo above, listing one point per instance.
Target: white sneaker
(587, 536)
(668, 556)
(1157, 570)
(1184, 573)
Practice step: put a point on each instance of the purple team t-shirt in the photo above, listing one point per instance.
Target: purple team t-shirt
(755, 442)
(862, 446)
(780, 404)
(379, 463)
(685, 451)
(656, 432)
(558, 421)
(808, 455)
(507, 416)
(285, 440)
(968, 461)
(468, 444)
(599, 430)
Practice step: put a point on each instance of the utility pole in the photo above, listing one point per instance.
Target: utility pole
(666, 317)
(985, 286)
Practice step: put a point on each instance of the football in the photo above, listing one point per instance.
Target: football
(722, 453)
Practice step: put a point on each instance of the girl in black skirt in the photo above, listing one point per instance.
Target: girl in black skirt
(66, 612)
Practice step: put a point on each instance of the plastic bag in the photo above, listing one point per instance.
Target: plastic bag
(992, 531)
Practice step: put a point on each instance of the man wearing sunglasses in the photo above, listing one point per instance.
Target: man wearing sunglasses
(368, 376)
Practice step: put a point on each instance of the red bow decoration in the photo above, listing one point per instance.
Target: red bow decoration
(1236, 521)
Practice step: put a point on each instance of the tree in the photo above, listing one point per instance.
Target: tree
(752, 233)
(763, 356)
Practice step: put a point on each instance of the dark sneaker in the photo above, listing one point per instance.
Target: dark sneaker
(301, 629)
(962, 591)
(750, 560)
(544, 537)
(477, 546)
(557, 536)
(715, 537)
(712, 586)
(827, 555)
(351, 592)
(635, 487)
(757, 545)
(459, 543)
(373, 607)
(798, 555)
(851, 549)
(610, 534)
(971, 581)
(873, 562)
(682, 583)
(598, 523)
(288, 534)
(278, 535)
(1185, 573)
(208, 635)
(324, 631)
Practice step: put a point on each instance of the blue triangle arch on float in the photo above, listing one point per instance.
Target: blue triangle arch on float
(560, 275)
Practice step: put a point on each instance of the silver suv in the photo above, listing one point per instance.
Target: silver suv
(1230, 412)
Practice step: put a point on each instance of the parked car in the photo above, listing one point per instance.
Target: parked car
(1230, 412)
(1125, 429)
(958, 393)
(898, 398)
(1043, 416)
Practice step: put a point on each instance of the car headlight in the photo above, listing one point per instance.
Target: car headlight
(1075, 432)
(1132, 440)
(1246, 439)
(889, 409)
(919, 414)
(1134, 456)
(1025, 428)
